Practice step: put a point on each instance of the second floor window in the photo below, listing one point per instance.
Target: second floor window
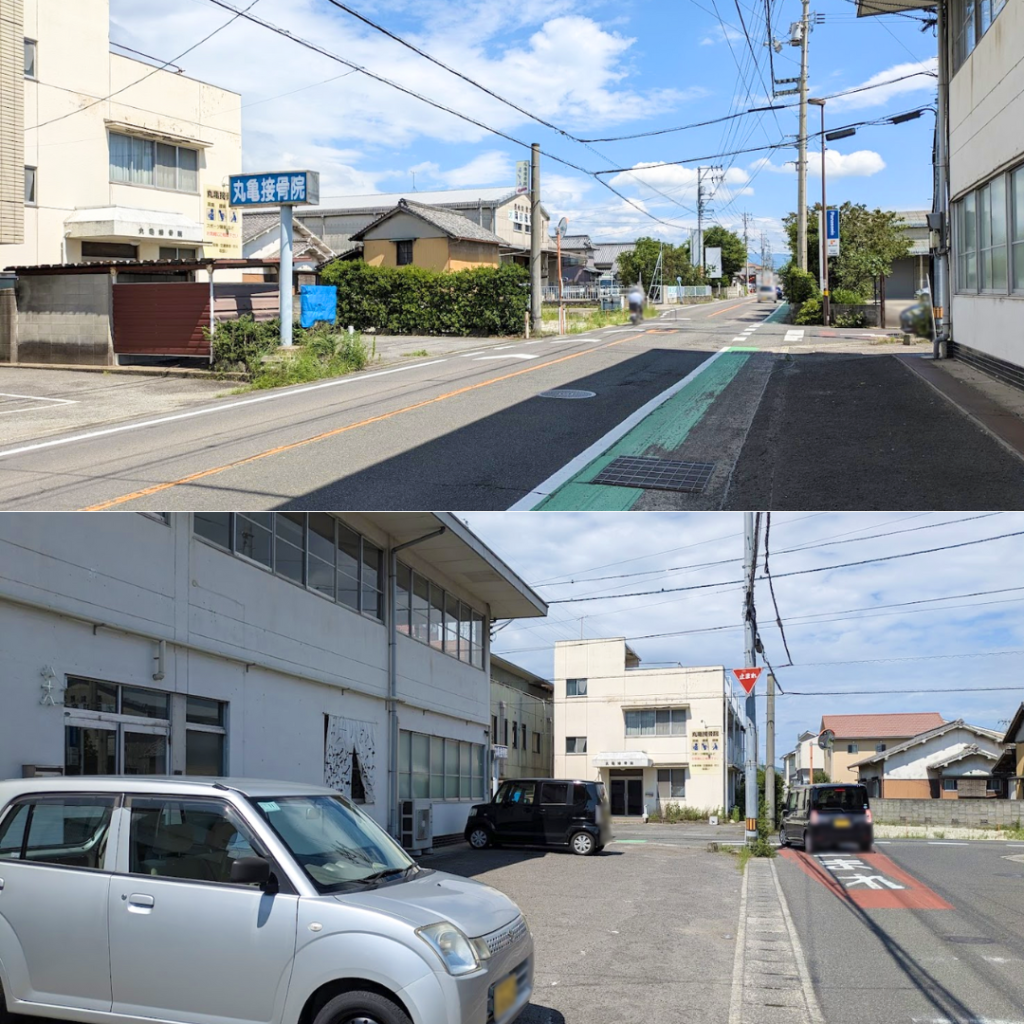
(575, 744)
(30, 58)
(576, 688)
(30, 186)
(136, 161)
(656, 722)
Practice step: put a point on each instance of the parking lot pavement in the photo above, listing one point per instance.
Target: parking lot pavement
(638, 932)
(43, 403)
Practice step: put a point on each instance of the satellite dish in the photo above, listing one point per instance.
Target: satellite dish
(562, 225)
(826, 738)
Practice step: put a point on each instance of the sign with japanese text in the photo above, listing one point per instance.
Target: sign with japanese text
(747, 677)
(705, 751)
(832, 231)
(222, 234)
(522, 177)
(713, 261)
(277, 188)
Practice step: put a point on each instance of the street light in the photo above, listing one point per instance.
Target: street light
(824, 219)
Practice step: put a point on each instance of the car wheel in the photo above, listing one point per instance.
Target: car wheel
(361, 1008)
(808, 843)
(866, 847)
(479, 839)
(782, 837)
(583, 844)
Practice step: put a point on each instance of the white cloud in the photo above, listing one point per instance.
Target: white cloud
(862, 163)
(882, 93)
(720, 34)
(485, 169)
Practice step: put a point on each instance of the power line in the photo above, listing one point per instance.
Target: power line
(795, 572)
(759, 110)
(285, 34)
(771, 586)
(170, 63)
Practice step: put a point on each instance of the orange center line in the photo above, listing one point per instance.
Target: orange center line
(193, 477)
(726, 310)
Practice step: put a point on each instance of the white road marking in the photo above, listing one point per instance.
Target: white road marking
(498, 348)
(571, 468)
(511, 355)
(40, 398)
(813, 1010)
(537, 342)
(739, 338)
(943, 843)
(89, 435)
(469, 355)
(794, 335)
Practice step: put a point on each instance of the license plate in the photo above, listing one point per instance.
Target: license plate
(504, 996)
(841, 823)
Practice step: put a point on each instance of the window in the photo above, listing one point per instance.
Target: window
(436, 628)
(523, 736)
(451, 626)
(949, 785)
(70, 831)
(194, 840)
(656, 722)
(852, 748)
(967, 244)
(403, 598)
(435, 616)
(170, 252)
(403, 253)
(30, 58)
(575, 687)
(30, 186)
(109, 251)
(1017, 228)
(992, 235)
(879, 747)
(439, 769)
(524, 793)
(135, 161)
(970, 20)
(671, 783)
(494, 728)
(312, 550)
(554, 792)
(204, 736)
(536, 742)
(575, 744)
(504, 730)
(515, 736)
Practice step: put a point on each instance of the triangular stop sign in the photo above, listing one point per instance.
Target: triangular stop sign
(747, 677)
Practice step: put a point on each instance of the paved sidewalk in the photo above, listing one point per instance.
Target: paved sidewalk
(770, 981)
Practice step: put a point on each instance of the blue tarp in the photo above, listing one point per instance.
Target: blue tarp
(319, 302)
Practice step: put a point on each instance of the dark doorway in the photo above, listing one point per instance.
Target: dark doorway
(627, 796)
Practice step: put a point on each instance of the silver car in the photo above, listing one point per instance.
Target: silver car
(234, 901)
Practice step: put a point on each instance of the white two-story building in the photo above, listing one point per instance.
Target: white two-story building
(261, 644)
(105, 156)
(655, 736)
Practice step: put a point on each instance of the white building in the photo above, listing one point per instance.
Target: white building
(654, 736)
(104, 156)
(255, 644)
(798, 762)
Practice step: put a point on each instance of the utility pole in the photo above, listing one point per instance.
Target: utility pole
(769, 753)
(801, 181)
(536, 227)
(715, 174)
(940, 202)
(746, 256)
(750, 657)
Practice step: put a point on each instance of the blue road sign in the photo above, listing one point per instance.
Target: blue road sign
(832, 231)
(277, 188)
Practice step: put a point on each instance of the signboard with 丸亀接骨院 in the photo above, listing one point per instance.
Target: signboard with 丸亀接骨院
(275, 188)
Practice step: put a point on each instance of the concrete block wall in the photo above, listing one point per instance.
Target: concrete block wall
(968, 813)
(65, 318)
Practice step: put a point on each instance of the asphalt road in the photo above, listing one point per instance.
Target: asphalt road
(790, 418)
(905, 964)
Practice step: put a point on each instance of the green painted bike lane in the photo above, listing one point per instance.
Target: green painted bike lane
(665, 427)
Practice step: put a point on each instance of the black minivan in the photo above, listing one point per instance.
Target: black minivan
(827, 814)
(543, 812)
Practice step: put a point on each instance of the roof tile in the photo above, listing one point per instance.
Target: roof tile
(893, 726)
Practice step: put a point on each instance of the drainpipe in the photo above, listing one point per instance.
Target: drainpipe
(941, 299)
(392, 703)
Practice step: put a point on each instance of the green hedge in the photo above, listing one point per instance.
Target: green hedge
(411, 300)
(797, 285)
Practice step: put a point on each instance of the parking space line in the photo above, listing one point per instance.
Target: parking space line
(40, 398)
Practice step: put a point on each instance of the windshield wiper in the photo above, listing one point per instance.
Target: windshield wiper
(379, 876)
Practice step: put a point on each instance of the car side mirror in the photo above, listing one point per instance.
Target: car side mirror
(251, 871)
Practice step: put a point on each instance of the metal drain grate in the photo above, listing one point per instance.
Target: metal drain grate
(567, 393)
(656, 474)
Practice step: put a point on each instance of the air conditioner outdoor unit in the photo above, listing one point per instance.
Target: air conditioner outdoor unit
(417, 825)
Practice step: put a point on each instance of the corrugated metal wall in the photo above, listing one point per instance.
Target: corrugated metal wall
(161, 319)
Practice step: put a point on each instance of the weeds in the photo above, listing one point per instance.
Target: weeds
(320, 354)
(418, 352)
(672, 813)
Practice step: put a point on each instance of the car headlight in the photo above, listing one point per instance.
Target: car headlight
(459, 955)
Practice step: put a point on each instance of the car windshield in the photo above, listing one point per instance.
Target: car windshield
(840, 798)
(336, 844)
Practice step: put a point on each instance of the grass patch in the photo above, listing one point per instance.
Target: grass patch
(581, 321)
(418, 352)
(321, 355)
(672, 813)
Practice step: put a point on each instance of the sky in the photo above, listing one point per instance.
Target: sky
(840, 633)
(593, 71)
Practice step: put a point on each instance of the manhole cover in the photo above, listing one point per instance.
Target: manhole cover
(656, 474)
(567, 393)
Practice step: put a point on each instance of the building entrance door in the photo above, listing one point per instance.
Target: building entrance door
(627, 796)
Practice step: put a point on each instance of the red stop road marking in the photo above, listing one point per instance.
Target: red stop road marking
(912, 894)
